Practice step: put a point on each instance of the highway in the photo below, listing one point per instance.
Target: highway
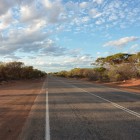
(78, 110)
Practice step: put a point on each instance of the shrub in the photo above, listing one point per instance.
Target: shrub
(122, 72)
(17, 70)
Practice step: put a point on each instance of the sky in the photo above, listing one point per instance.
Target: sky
(55, 35)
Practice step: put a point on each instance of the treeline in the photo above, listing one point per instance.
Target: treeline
(17, 70)
(116, 67)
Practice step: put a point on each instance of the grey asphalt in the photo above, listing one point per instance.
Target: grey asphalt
(80, 110)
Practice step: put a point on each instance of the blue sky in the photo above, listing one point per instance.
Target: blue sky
(54, 35)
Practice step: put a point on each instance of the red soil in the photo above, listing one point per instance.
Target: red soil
(130, 85)
(16, 100)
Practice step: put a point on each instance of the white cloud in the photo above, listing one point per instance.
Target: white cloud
(29, 13)
(54, 11)
(98, 53)
(72, 7)
(50, 48)
(85, 19)
(94, 13)
(32, 41)
(98, 22)
(98, 1)
(47, 3)
(80, 61)
(26, 39)
(51, 64)
(51, 11)
(5, 5)
(134, 48)
(26, 26)
(121, 42)
(83, 4)
(113, 17)
(6, 20)
(25, 36)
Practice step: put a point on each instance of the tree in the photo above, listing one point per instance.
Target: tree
(17, 70)
(3, 75)
(13, 69)
(113, 59)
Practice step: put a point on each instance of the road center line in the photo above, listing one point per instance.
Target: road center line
(114, 104)
(47, 132)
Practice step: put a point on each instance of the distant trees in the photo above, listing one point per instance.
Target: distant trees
(118, 58)
(117, 67)
(121, 66)
(17, 70)
(90, 73)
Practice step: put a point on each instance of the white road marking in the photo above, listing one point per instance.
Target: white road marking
(47, 133)
(133, 93)
(114, 104)
(124, 91)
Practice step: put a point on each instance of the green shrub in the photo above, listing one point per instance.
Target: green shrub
(17, 70)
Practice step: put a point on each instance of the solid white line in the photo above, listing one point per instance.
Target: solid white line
(47, 133)
(133, 93)
(124, 91)
(114, 104)
(117, 106)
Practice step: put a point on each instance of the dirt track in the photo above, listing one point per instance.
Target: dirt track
(16, 100)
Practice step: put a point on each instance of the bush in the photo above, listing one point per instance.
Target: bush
(17, 70)
(122, 72)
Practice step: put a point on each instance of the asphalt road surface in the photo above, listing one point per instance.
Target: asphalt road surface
(78, 110)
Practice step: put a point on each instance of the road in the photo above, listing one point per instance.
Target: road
(68, 109)
(84, 111)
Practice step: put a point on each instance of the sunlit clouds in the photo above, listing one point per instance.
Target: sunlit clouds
(59, 34)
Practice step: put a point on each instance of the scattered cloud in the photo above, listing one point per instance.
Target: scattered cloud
(5, 5)
(94, 13)
(121, 42)
(134, 48)
(27, 14)
(30, 27)
(98, 1)
(67, 62)
(6, 20)
(83, 4)
(26, 40)
(50, 48)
